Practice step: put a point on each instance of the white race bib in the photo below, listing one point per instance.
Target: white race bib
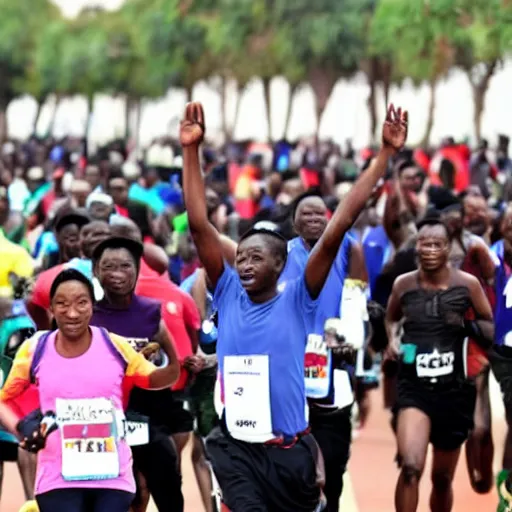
(317, 364)
(343, 394)
(435, 364)
(88, 430)
(136, 433)
(247, 398)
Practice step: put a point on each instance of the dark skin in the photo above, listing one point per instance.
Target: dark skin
(253, 249)
(68, 239)
(118, 189)
(91, 235)
(413, 425)
(117, 272)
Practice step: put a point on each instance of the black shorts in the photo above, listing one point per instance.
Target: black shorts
(84, 500)
(500, 359)
(263, 478)
(332, 430)
(450, 410)
(8, 451)
(201, 404)
(163, 409)
(158, 463)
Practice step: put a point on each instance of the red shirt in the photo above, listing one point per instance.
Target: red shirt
(43, 284)
(179, 311)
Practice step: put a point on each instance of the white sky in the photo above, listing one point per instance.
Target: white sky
(73, 7)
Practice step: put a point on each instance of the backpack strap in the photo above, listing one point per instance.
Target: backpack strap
(113, 348)
(38, 354)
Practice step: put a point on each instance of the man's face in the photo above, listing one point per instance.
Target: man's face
(92, 176)
(119, 191)
(410, 179)
(68, 239)
(476, 215)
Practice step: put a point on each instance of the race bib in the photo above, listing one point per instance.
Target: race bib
(247, 398)
(89, 438)
(435, 364)
(343, 394)
(136, 433)
(317, 363)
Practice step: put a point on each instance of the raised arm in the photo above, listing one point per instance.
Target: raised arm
(394, 135)
(206, 237)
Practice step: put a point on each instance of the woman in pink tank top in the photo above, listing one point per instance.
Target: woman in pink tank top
(81, 374)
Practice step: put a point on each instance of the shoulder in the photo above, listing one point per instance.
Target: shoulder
(462, 278)
(146, 302)
(405, 282)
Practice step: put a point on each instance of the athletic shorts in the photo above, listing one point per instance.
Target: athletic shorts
(501, 365)
(332, 430)
(264, 478)
(84, 500)
(8, 451)
(201, 404)
(450, 409)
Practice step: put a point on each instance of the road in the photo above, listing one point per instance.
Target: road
(370, 483)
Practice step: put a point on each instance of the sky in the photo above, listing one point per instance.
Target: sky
(72, 7)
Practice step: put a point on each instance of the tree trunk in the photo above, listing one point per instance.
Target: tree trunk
(480, 88)
(287, 119)
(223, 117)
(372, 98)
(322, 82)
(38, 114)
(239, 94)
(138, 117)
(266, 92)
(58, 99)
(4, 129)
(385, 74)
(127, 111)
(431, 109)
(188, 93)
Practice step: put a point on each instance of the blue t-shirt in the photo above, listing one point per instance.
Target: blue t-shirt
(277, 328)
(329, 301)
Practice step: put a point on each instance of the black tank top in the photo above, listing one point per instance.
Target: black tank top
(433, 349)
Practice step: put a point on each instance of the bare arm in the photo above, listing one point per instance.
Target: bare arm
(206, 237)
(8, 419)
(357, 268)
(481, 329)
(165, 377)
(319, 263)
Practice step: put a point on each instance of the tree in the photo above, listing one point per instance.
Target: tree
(486, 38)
(328, 38)
(20, 22)
(418, 37)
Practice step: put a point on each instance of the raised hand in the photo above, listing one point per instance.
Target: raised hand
(192, 127)
(394, 131)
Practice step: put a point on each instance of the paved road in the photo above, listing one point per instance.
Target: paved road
(370, 484)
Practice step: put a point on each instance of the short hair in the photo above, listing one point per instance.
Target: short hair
(134, 247)
(433, 221)
(71, 274)
(276, 241)
(313, 192)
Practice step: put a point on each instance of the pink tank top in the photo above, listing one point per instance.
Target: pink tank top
(94, 375)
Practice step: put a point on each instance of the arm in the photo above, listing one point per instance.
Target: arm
(322, 256)
(357, 266)
(162, 378)
(479, 253)
(393, 315)
(205, 236)
(481, 329)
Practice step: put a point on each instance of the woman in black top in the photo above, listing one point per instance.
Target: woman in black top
(435, 401)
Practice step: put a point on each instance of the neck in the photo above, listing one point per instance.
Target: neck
(436, 277)
(73, 347)
(309, 244)
(118, 301)
(264, 295)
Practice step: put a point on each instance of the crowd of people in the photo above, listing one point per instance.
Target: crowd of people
(246, 299)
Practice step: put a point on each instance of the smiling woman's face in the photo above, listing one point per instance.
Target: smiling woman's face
(117, 272)
(71, 307)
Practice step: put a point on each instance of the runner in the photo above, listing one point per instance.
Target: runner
(262, 337)
(116, 265)
(330, 409)
(435, 401)
(501, 354)
(95, 369)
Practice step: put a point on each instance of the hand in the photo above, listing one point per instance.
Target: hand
(150, 350)
(35, 439)
(394, 131)
(391, 353)
(192, 127)
(194, 364)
